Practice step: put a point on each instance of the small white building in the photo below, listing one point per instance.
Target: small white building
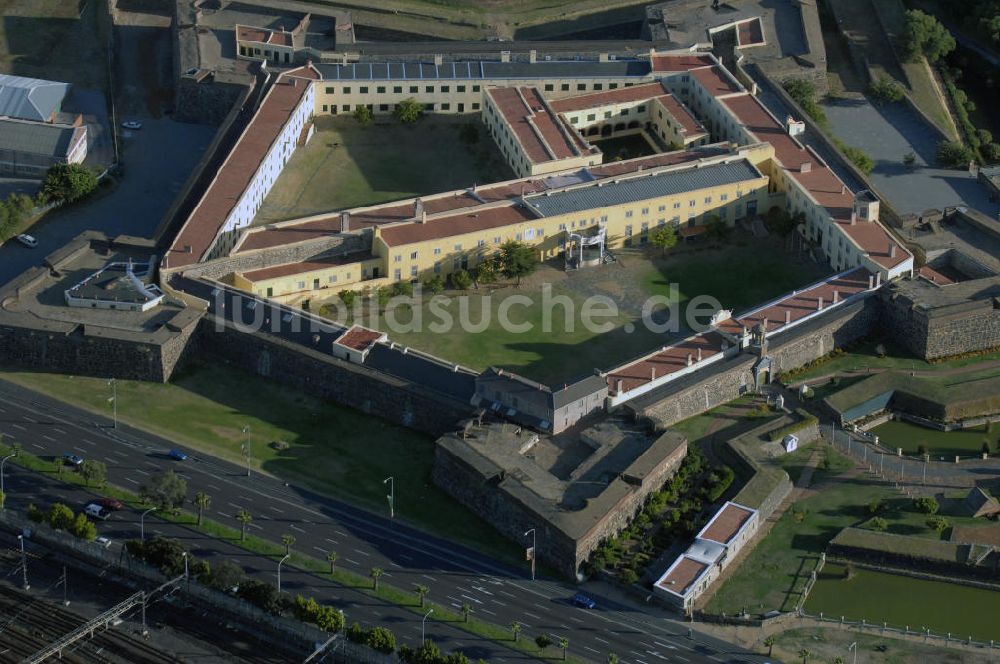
(790, 443)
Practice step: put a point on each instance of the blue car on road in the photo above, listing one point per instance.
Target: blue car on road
(583, 601)
(177, 455)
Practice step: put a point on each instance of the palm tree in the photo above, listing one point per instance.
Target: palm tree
(244, 518)
(203, 501)
(769, 642)
(421, 593)
(612, 658)
(332, 559)
(838, 660)
(375, 574)
(466, 610)
(804, 654)
(564, 644)
(515, 629)
(288, 541)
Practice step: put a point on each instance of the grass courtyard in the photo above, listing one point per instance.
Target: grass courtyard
(566, 348)
(865, 357)
(911, 437)
(349, 165)
(333, 449)
(905, 601)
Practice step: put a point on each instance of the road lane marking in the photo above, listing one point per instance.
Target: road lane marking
(472, 599)
(341, 533)
(49, 438)
(319, 549)
(140, 470)
(331, 541)
(119, 454)
(129, 479)
(58, 430)
(37, 445)
(18, 426)
(151, 463)
(428, 576)
(220, 513)
(532, 615)
(234, 506)
(601, 640)
(294, 527)
(213, 487)
(272, 507)
(591, 649)
(363, 553)
(254, 525)
(487, 611)
(353, 562)
(79, 449)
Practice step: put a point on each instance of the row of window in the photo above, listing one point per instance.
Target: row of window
(386, 108)
(592, 117)
(582, 87)
(398, 89)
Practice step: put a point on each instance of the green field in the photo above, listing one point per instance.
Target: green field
(827, 644)
(349, 165)
(938, 443)
(564, 351)
(333, 449)
(902, 601)
(864, 357)
(773, 575)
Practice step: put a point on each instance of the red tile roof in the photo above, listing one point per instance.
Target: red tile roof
(682, 575)
(667, 361)
(288, 269)
(236, 172)
(681, 114)
(456, 224)
(680, 62)
(726, 523)
(716, 81)
(803, 303)
(263, 35)
(934, 276)
(608, 97)
(359, 338)
(540, 132)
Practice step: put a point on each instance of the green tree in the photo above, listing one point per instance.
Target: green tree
(329, 619)
(805, 655)
(612, 658)
(244, 517)
(376, 573)
(878, 524)
(331, 558)
(94, 472)
(664, 237)
(486, 273)
(83, 528)
(564, 646)
(859, 158)
(402, 288)
(462, 280)
(261, 594)
(876, 506)
(408, 111)
(362, 114)
(804, 94)
(716, 229)
(884, 89)
(938, 524)
(60, 516)
(466, 610)
(381, 640)
(203, 501)
(435, 284)
(35, 514)
(382, 296)
(926, 505)
(226, 575)
(515, 630)
(165, 490)
(67, 183)
(543, 641)
(769, 642)
(517, 260)
(925, 35)
(953, 154)
(421, 592)
(288, 541)
(348, 297)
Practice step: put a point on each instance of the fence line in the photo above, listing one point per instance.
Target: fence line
(946, 639)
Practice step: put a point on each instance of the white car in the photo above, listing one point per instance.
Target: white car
(27, 240)
(132, 124)
(102, 541)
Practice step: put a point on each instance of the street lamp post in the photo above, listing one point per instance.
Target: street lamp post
(531, 552)
(423, 625)
(142, 523)
(246, 449)
(279, 569)
(187, 578)
(392, 496)
(3, 489)
(854, 647)
(114, 401)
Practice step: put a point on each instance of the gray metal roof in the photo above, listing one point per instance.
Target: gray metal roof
(36, 137)
(478, 70)
(30, 98)
(586, 387)
(620, 192)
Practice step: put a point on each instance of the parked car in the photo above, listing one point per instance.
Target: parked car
(102, 541)
(112, 504)
(95, 511)
(583, 601)
(132, 124)
(72, 459)
(27, 240)
(177, 455)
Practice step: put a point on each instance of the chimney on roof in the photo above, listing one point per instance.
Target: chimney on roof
(652, 373)
(871, 281)
(418, 208)
(819, 303)
(843, 188)
(806, 167)
(438, 60)
(532, 56)
(690, 361)
(836, 296)
(892, 249)
(603, 57)
(878, 279)
(475, 187)
(854, 218)
(699, 353)
(619, 384)
(345, 222)
(764, 327)
(788, 316)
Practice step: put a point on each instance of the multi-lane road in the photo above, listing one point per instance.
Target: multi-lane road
(362, 540)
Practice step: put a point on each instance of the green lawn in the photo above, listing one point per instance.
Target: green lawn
(332, 449)
(564, 351)
(938, 443)
(830, 463)
(864, 357)
(828, 643)
(905, 601)
(349, 165)
(772, 576)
